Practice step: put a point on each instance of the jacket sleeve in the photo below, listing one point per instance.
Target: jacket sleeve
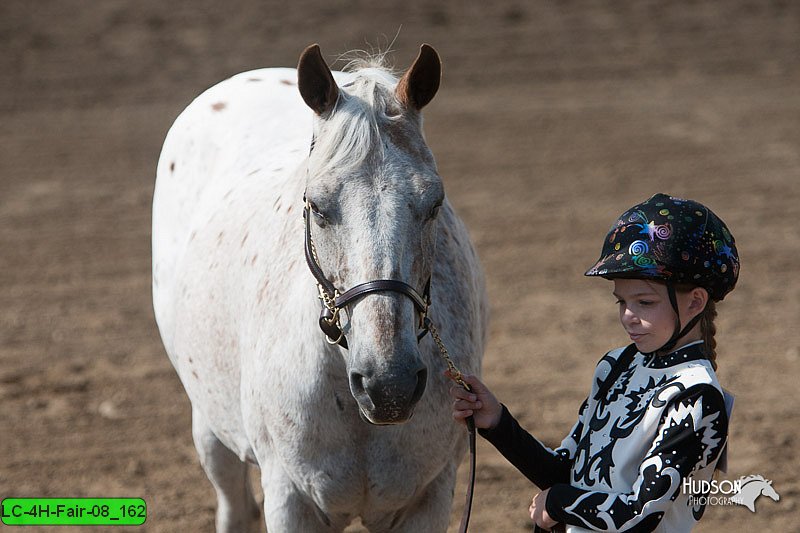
(543, 466)
(692, 431)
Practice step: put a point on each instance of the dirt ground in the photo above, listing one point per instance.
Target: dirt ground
(552, 118)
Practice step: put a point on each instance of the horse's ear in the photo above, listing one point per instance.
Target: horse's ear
(315, 81)
(419, 84)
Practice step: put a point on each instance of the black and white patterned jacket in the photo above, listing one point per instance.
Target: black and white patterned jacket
(623, 464)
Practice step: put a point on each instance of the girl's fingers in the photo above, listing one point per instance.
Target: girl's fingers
(464, 404)
(458, 393)
(469, 379)
(458, 414)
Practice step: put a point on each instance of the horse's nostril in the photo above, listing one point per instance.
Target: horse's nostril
(422, 380)
(359, 386)
(357, 382)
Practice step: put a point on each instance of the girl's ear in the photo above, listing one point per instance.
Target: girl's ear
(698, 298)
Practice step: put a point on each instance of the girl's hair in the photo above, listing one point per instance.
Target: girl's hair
(707, 327)
(708, 330)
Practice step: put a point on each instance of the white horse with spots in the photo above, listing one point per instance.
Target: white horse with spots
(238, 309)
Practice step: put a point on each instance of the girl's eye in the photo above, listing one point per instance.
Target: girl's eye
(645, 303)
(619, 302)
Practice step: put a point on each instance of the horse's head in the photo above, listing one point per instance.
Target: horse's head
(374, 193)
(768, 490)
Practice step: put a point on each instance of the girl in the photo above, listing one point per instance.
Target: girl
(655, 418)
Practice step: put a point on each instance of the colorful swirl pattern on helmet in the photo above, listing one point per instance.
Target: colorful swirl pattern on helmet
(669, 238)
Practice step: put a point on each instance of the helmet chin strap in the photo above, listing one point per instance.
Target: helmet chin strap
(679, 333)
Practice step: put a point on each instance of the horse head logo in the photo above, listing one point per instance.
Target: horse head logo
(751, 488)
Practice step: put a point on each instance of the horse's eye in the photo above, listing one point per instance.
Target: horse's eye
(434, 212)
(393, 110)
(319, 217)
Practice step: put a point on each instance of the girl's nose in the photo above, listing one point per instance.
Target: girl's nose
(628, 317)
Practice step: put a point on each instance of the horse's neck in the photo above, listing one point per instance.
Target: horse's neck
(753, 487)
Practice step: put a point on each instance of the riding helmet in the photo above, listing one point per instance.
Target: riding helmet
(673, 240)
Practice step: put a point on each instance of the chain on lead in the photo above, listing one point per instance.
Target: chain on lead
(328, 300)
(456, 374)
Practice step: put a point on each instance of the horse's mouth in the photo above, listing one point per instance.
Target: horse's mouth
(384, 420)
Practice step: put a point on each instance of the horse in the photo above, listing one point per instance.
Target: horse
(751, 488)
(337, 433)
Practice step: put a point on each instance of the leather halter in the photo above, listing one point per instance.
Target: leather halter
(333, 302)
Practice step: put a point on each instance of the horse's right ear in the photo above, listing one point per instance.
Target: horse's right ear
(419, 84)
(315, 81)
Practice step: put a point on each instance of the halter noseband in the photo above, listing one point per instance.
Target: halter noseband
(333, 302)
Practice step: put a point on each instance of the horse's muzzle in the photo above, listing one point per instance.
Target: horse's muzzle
(388, 397)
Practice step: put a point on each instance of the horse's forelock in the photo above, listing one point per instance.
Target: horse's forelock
(356, 60)
(352, 131)
(346, 138)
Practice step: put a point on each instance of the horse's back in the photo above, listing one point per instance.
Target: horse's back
(253, 123)
(226, 158)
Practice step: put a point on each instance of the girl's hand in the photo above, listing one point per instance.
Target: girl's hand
(479, 403)
(539, 513)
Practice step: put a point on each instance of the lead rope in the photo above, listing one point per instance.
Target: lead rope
(458, 377)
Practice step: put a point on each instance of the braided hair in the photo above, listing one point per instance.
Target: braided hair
(708, 329)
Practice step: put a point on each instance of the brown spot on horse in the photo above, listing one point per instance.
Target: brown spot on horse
(263, 291)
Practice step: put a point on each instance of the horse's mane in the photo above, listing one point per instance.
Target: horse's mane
(356, 60)
(351, 133)
(754, 477)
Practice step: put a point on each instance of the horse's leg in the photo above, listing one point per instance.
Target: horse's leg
(237, 510)
(287, 510)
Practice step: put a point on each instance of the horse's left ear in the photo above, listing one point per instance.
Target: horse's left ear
(419, 84)
(315, 81)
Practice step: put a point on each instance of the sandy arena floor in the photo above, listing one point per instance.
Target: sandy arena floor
(553, 117)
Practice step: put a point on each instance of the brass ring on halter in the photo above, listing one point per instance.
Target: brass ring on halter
(337, 341)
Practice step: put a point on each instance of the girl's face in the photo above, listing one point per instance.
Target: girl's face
(647, 315)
